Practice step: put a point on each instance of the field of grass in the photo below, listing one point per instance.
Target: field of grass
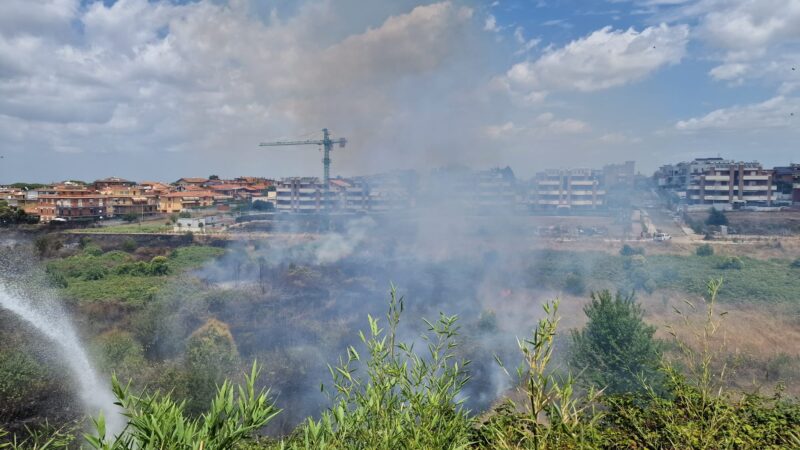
(148, 227)
(770, 281)
(118, 276)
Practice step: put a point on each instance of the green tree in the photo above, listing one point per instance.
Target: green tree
(130, 217)
(616, 349)
(211, 356)
(159, 265)
(716, 217)
(574, 284)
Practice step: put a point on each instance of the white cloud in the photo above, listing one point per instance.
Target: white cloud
(619, 139)
(490, 24)
(210, 77)
(746, 36)
(544, 125)
(606, 58)
(775, 113)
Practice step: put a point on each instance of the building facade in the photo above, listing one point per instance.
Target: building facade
(303, 195)
(567, 190)
(71, 202)
(731, 185)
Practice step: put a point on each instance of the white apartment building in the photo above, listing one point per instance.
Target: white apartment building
(567, 190)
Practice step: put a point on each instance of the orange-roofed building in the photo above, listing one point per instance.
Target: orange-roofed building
(174, 202)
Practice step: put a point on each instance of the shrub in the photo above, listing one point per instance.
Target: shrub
(84, 241)
(159, 266)
(716, 217)
(731, 263)
(574, 284)
(94, 272)
(796, 263)
(211, 355)
(155, 421)
(92, 249)
(627, 250)
(393, 398)
(47, 245)
(705, 250)
(616, 350)
(184, 215)
(128, 245)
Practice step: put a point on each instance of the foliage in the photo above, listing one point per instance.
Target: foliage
(128, 245)
(130, 217)
(119, 351)
(211, 355)
(552, 416)
(156, 421)
(731, 263)
(627, 250)
(716, 217)
(116, 275)
(616, 351)
(21, 376)
(12, 215)
(395, 398)
(796, 263)
(47, 244)
(761, 280)
(261, 205)
(574, 284)
(184, 215)
(705, 250)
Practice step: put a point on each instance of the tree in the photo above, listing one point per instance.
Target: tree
(211, 356)
(705, 250)
(716, 217)
(616, 349)
(574, 284)
(130, 217)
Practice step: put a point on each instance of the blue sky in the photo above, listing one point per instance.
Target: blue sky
(161, 89)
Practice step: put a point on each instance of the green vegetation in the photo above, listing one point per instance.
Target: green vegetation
(627, 250)
(615, 351)
(716, 218)
(705, 250)
(731, 263)
(156, 421)
(145, 227)
(9, 215)
(93, 275)
(395, 397)
(757, 280)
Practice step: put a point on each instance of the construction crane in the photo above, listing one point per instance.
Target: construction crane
(327, 146)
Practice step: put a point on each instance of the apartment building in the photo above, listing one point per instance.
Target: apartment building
(725, 185)
(496, 189)
(70, 202)
(567, 190)
(619, 175)
(349, 195)
(174, 202)
(390, 191)
(678, 176)
(303, 195)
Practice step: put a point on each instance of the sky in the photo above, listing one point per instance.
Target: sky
(160, 89)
